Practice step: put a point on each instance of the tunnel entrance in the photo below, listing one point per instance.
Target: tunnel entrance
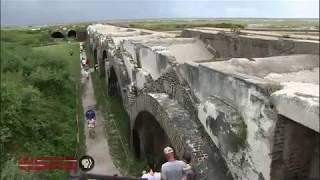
(57, 34)
(95, 56)
(102, 63)
(113, 85)
(72, 34)
(136, 143)
(149, 139)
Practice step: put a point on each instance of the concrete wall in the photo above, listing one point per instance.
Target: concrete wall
(239, 118)
(225, 117)
(231, 45)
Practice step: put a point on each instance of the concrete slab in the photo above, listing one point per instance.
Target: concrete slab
(299, 102)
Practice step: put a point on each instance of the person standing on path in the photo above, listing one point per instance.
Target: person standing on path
(172, 169)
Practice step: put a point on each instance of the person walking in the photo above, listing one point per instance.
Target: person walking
(152, 174)
(172, 169)
(189, 173)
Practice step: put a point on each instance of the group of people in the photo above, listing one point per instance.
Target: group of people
(85, 63)
(173, 169)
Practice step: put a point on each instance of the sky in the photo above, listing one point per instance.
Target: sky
(36, 12)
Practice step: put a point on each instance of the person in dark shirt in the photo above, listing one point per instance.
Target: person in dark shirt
(90, 115)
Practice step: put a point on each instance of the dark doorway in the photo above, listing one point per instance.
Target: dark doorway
(113, 84)
(95, 56)
(72, 34)
(57, 34)
(136, 142)
(102, 63)
(149, 139)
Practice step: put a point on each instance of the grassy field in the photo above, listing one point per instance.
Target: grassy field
(61, 51)
(172, 25)
(40, 85)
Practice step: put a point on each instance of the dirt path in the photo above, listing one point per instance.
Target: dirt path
(97, 147)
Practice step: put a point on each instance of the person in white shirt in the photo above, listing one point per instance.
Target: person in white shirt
(152, 174)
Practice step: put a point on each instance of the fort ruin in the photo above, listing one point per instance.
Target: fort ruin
(245, 105)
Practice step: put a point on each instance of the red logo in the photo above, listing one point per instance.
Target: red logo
(68, 164)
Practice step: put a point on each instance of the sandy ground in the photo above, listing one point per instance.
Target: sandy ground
(97, 147)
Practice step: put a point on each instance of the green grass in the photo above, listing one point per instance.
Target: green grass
(40, 100)
(171, 25)
(61, 51)
(180, 25)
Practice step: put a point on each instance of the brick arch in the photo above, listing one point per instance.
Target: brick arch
(57, 34)
(181, 131)
(149, 139)
(72, 33)
(122, 78)
(101, 59)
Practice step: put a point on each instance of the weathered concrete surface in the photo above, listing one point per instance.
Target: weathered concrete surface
(299, 102)
(227, 44)
(223, 93)
(299, 76)
(278, 34)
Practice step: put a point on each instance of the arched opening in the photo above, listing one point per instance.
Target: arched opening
(95, 56)
(102, 63)
(113, 85)
(57, 34)
(149, 139)
(136, 143)
(72, 34)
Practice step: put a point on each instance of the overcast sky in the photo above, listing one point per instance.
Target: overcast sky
(29, 12)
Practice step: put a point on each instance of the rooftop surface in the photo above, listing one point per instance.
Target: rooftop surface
(182, 49)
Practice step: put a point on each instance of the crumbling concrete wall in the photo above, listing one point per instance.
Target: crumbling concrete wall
(239, 118)
(222, 114)
(227, 44)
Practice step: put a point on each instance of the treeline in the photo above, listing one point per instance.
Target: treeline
(37, 104)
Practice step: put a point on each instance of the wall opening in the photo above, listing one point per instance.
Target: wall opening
(57, 34)
(136, 143)
(72, 34)
(95, 56)
(149, 139)
(113, 84)
(102, 63)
